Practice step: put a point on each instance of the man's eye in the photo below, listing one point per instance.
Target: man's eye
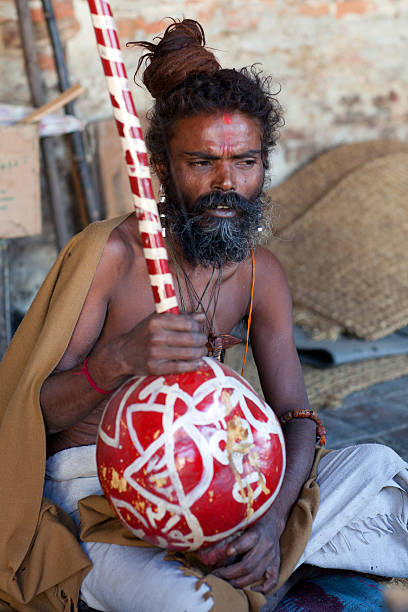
(199, 163)
(247, 162)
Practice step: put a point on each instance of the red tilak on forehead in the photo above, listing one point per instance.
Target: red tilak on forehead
(227, 120)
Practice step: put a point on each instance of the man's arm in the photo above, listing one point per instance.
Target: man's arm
(281, 378)
(282, 383)
(158, 344)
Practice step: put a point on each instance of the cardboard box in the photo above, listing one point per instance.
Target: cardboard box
(20, 196)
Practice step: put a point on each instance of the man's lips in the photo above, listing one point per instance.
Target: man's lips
(222, 211)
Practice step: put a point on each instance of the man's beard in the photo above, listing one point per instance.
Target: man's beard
(210, 240)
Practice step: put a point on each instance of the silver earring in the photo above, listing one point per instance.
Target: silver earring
(162, 197)
(260, 228)
(163, 229)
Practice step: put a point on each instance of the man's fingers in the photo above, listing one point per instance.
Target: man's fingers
(242, 544)
(175, 353)
(216, 553)
(159, 368)
(238, 575)
(186, 366)
(257, 564)
(179, 338)
(268, 584)
(179, 322)
(252, 562)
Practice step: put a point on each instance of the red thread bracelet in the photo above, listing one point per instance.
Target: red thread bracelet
(307, 414)
(85, 371)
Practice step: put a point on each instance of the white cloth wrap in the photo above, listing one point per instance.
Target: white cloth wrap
(361, 525)
(362, 521)
(123, 578)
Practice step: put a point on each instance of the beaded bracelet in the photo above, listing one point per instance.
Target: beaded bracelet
(93, 384)
(307, 414)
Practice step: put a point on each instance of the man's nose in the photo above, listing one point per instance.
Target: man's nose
(223, 178)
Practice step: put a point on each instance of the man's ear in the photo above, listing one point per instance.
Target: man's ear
(265, 159)
(162, 171)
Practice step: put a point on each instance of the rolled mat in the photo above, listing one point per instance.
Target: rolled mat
(346, 256)
(326, 388)
(306, 186)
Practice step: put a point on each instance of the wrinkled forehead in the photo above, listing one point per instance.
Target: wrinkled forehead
(212, 133)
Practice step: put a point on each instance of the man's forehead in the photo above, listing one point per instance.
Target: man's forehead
(214, 130)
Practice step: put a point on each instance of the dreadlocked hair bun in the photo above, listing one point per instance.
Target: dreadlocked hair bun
(180, 53)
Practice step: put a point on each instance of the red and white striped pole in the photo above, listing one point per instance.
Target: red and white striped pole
(135, 153)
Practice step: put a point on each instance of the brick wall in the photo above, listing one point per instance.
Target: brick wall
(342, 64)
(13, 85)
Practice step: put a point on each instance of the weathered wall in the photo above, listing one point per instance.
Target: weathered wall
(342, 66)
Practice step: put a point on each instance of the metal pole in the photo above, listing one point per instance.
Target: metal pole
(78, 151)
(5, 290)
(38, 99)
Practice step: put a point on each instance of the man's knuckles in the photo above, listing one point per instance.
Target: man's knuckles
(212, 557)
(184, 366)
(178, 322)
(180, 336)
(244, 543)
(268, 585)
(160, 367)
(154, 323)
(255, 574)
(240, 574)
(154, 367)
(246, 580)
(191, 353)
(158, 352)
(190, 339)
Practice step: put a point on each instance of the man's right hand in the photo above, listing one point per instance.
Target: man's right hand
(160, 344)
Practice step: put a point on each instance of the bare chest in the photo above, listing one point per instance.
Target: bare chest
(224, 298)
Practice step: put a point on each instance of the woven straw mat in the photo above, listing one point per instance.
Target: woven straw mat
(327, 387)
(347, 257)
(298, 193)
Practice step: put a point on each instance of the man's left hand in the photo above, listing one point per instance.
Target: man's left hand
(259, 546)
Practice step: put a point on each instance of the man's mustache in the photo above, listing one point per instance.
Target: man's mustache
(232, 199)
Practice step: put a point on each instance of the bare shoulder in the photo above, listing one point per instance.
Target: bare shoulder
(269, 271)
(119, 253)
(272, 299)
(115, 261)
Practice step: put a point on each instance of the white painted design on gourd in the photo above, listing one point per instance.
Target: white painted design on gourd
(163, 468)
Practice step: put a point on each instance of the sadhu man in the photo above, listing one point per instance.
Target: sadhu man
(93, 326)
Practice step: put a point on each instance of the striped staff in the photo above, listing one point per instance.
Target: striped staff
(135, 152)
